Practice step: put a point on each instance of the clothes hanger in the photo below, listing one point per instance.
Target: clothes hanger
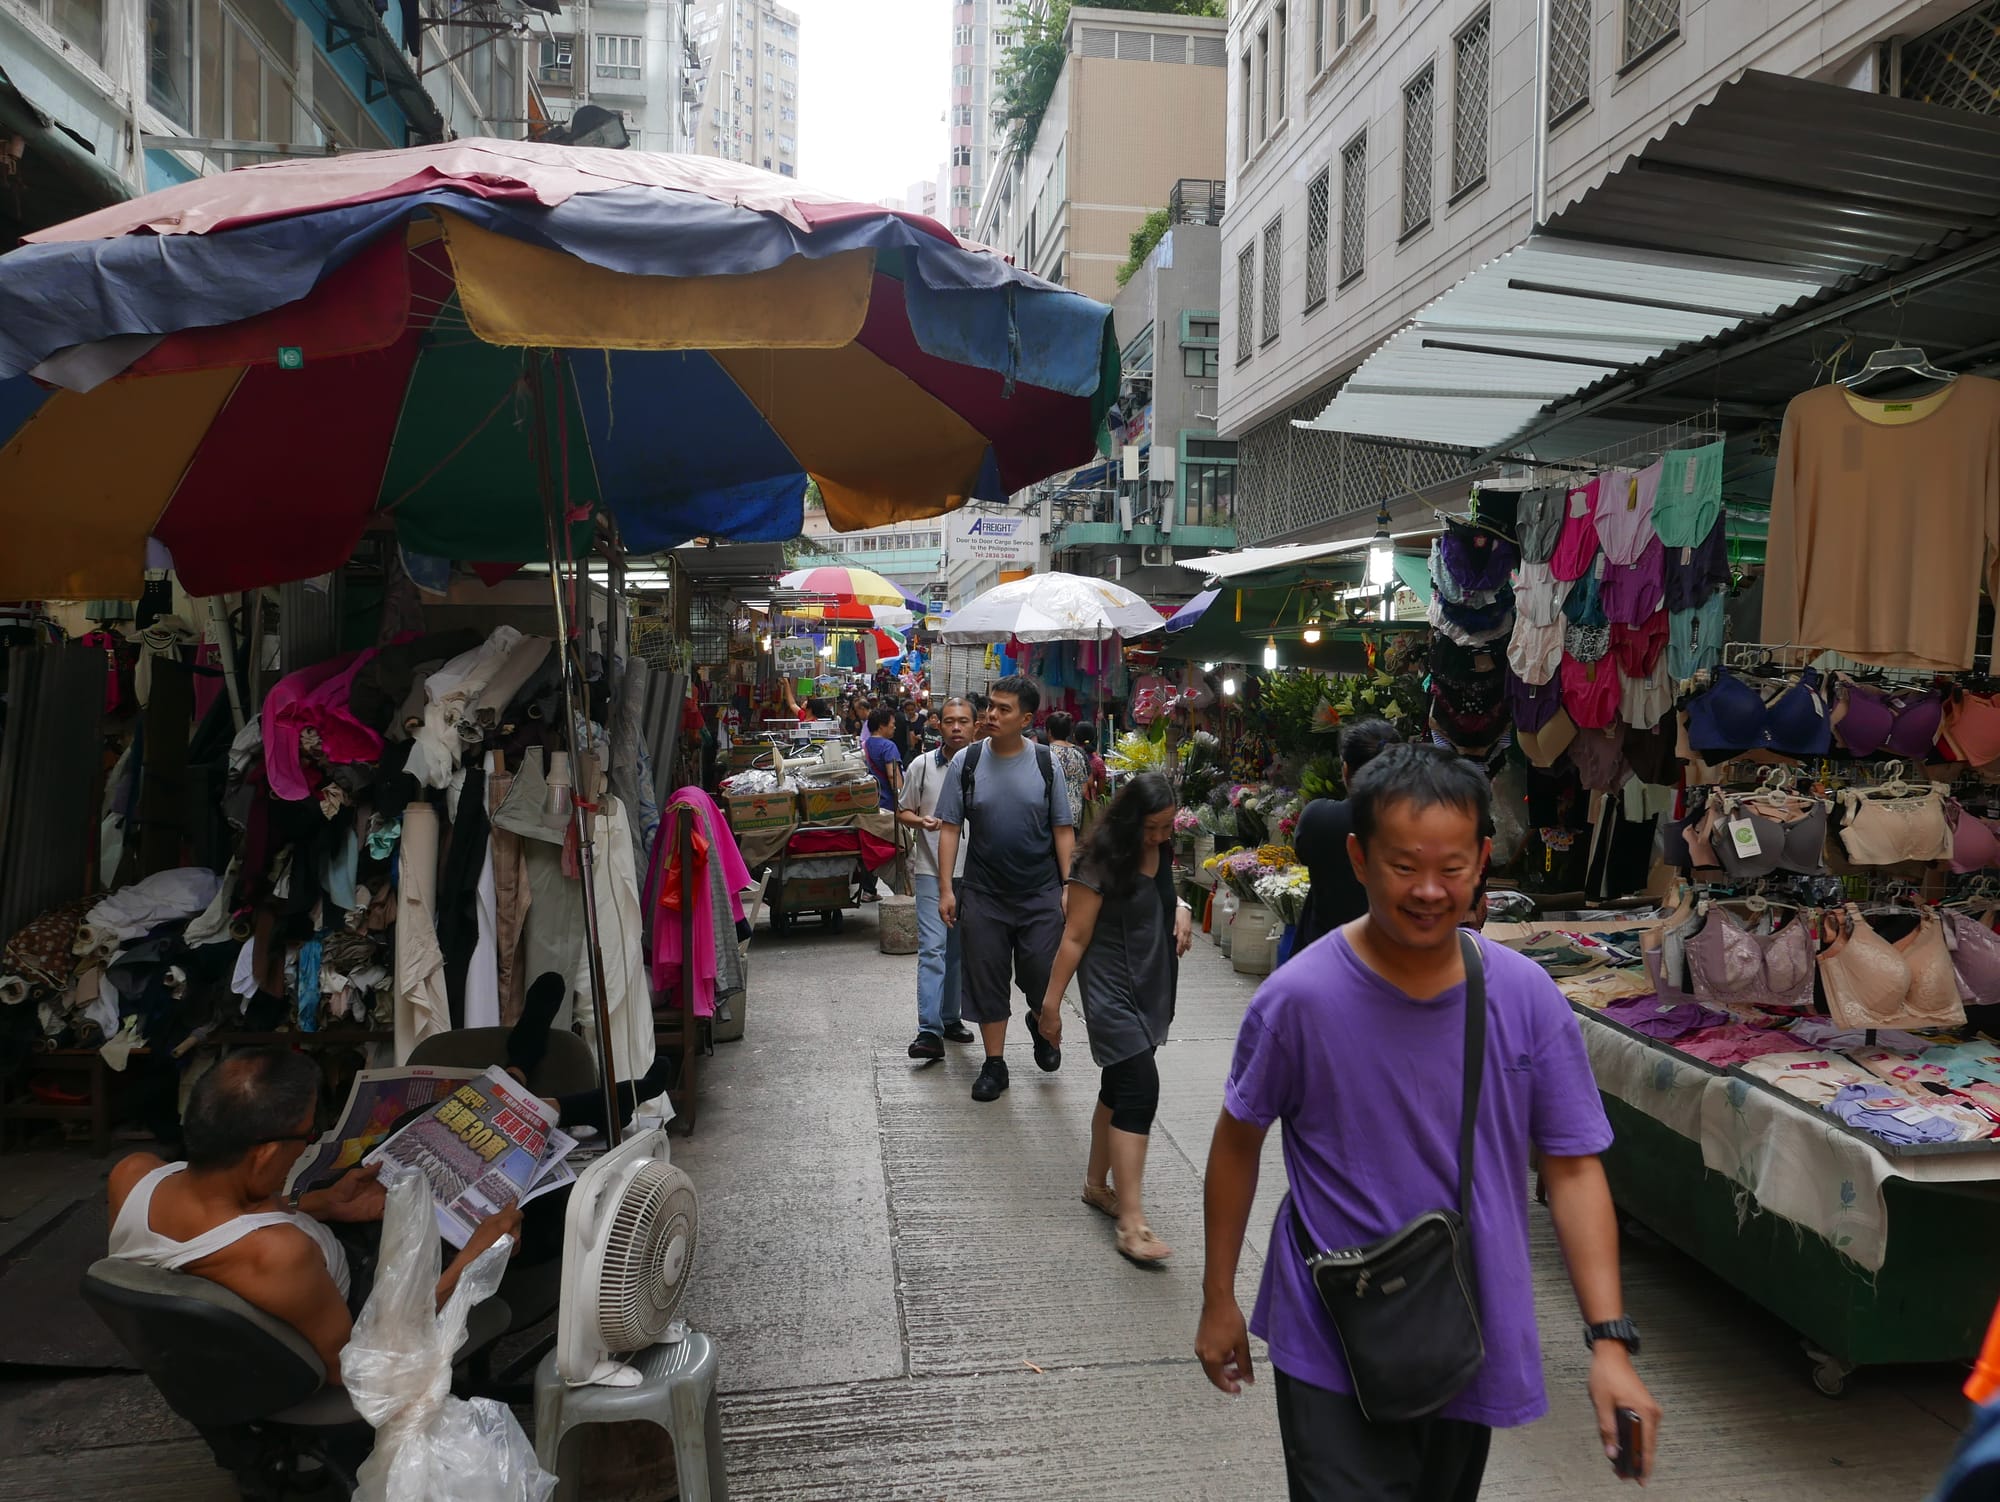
(1905, 358)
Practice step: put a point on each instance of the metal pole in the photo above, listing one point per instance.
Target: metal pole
(585, 842)
(1539, 209)
(226, 639)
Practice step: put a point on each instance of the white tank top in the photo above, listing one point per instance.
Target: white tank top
(133, 1238)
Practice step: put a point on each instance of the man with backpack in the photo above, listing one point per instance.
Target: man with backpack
(1008, 905)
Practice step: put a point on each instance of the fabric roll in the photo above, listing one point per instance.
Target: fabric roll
(458, 889)
(421, 1008)
(520, 664)
(524, 811)
(13, 990)
(631, 772)
(482, 976)
(621, 933)
(511, 896)
(552, 935)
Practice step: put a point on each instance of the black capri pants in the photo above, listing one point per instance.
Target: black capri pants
(1130, 1090)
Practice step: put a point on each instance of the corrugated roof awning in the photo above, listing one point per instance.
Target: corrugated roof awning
(55, 176)
(1773, 193)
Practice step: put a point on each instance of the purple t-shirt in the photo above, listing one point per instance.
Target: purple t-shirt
(1367, 1082)
(880, 753)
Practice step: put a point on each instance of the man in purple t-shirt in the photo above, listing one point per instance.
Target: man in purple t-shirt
(1357, 1045)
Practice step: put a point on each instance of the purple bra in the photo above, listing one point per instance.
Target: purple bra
(1735, 968)
(1975, 958)
(1874, 722)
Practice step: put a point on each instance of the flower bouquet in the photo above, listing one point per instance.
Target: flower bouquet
(1284, 892)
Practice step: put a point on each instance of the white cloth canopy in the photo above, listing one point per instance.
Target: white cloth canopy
(1053, 607)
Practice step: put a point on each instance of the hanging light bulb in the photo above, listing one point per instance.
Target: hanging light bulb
(827, 650)
(1208, 667)
(1382, 554)
(1310, 636)
(1270, 652)
(1229, 687)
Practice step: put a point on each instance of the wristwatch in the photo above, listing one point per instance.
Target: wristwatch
(1621, 1330)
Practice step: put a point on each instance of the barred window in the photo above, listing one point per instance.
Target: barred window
(1354, 208)
(1472, 53)
(1419, 136)
(1318, 192)
(1274, 249)
(1649, 23)
(1569, 57)
(1246, 299)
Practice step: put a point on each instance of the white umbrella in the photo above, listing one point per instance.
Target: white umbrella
(1052, 607)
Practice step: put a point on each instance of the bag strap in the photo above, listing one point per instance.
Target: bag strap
(1475, 1065)
(965, 771)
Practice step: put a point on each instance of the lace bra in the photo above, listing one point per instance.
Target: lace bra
(1976, 958)
(1873, 983)
(1732, 967)
(1883, 831)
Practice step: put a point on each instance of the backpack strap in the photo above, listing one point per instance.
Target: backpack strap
(969, 766)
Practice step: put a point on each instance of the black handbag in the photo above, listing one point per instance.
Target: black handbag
(1407, 1307)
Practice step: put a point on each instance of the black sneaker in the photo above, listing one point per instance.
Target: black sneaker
(927, 1046)
(1048, 1057)
(992, 1080)
(958, 1032)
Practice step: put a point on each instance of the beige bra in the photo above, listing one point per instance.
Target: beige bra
(1885, 831)
(1873, 983)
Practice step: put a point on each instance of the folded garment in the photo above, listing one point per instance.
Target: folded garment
(43, 952)
(1737, 1043)
(1819, 1033)
(1600, 988)
(1908, 1068)
(1967, 1063)
(1893, 1118)
(1665, 1020)
(1815, 1078)
(145, 905)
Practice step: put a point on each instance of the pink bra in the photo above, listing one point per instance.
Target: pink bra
(1975, 845)
(1732, 967)
(1873, 983)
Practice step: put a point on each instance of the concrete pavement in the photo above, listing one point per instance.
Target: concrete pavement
(912, 1303)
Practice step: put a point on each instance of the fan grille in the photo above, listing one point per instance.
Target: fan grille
(648, 1257)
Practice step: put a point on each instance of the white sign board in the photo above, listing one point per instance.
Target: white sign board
(1000, 539)
(797, 657)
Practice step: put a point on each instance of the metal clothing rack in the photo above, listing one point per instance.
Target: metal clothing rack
(1704, 425)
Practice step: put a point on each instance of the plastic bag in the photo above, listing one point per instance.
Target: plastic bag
(429, 1445)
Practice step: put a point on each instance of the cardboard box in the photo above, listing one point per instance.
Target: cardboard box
(754, 812)
(807, 894)
(839, 800)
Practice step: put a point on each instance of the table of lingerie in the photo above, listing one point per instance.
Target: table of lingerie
(1817, 1066)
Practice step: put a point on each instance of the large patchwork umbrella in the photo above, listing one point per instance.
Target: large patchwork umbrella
(852, 594)
(249, 370)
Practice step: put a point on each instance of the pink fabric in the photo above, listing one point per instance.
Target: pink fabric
(875, 851)
(664, 951)
(1736, 1042)
(315, 697)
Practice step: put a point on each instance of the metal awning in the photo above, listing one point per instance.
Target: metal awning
(55, 175)
(1777, 192)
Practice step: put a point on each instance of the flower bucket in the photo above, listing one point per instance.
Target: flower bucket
(1287, 942)
(1252, 949)
(1204, 848)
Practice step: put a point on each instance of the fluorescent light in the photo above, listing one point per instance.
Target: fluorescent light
(1208, 667)
(1229, 687)
(1270, 652)
(1382, 554)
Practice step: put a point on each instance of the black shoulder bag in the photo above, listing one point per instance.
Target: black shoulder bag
(1407, 1306)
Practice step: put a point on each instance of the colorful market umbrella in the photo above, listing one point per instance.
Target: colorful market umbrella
(249, 370)
(1052, 607)
(853, 594)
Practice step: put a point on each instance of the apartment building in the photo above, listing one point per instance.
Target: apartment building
(747, 109)
(982, 33)
(1138, 106)
(1379, 153)
(634, 58)
(107, 98)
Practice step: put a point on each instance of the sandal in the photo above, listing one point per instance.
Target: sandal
(1142, 1248)
(1104, 1199)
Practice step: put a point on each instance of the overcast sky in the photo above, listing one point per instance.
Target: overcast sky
(874, 80)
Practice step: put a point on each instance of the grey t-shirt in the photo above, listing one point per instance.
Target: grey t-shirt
(1127, 974)
(1015, 848)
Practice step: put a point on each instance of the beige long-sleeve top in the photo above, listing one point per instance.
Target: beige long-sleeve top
(1885, 521)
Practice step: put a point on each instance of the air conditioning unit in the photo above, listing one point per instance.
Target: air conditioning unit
(1157, 557)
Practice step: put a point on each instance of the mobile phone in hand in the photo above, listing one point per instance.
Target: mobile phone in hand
(1630, 1462)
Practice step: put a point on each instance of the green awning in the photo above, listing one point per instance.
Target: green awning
(58, 176)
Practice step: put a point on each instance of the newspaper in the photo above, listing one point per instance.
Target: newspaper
(376, 1101)
(481, 1147)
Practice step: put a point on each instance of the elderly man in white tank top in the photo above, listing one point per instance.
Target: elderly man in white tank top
(220, 1214)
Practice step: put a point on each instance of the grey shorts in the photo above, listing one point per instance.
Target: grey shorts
(1001, 938)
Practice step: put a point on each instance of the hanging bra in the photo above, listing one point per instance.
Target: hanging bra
(1887, 831)
(1732, 967)
(1868, 721)
(1576, 549)
(1590, 692)
(1976, 958)
(1539, 522)
(1625, 514)
(1873, 983)
(1795, 843)
(1731, 717)
(1975, 844)
(1972, 728)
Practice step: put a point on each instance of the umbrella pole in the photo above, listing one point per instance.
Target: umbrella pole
(581, 808)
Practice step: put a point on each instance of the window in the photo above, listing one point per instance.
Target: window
(770, 81)
(1246, 299)
(1472, 51)
(1274, 247)
(170, 60)
(961, 156)
(788, 143)
(1569, 57)
(961, 196)
(961, 36)
(1319, 193)
(1201, 364)
(1208, 480)
(786, 169)
(1349, 16)
(1263, 84)
(961, 114)
(1354, 209)
(1280, 65)
(1319, 34)
(555, 66)
(1247, 93)
(1003, 40)
(618, 56)
(80, 21)
(1419, 136)
(1649, 23)
(226, 72)
(1201, 335)
(961, 76)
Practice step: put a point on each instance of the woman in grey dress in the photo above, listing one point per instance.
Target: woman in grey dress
(1123, 934)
